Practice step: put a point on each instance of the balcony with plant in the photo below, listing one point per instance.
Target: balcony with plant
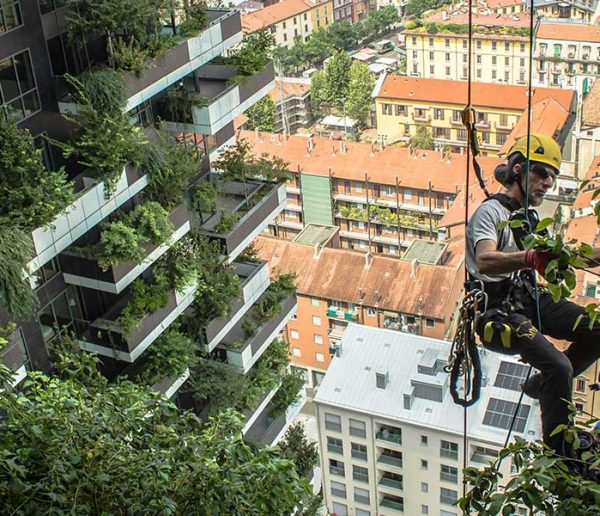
(385, 217)
(251, 336)
(151, 43)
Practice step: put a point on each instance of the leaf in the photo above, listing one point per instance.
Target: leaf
(514, 224)
(583, 184)
(578, 320)
(544, 223)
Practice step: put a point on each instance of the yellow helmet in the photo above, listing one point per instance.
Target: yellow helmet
(542, 148)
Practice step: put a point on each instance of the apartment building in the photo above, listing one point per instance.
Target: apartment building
(506, 6)
(350, 10)
(586, 136)
(567, 55)
(584, 11)
(373, 194)
(292, 104)
(119, 308)
(500, 41)
(390, 435)
(288, 21)
(322, 13)
(417, 294)
(405, 103)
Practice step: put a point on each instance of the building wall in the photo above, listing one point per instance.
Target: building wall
(567, 12)
(295, 27)
(322, 15)
(398, 120)
(501, 59)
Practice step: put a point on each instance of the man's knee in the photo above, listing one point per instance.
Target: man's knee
(560, 368)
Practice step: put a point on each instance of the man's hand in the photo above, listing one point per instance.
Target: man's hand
(538, 260)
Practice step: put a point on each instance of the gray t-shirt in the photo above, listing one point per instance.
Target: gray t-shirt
(484, 226)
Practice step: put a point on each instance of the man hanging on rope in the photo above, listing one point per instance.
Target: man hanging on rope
(495, 256)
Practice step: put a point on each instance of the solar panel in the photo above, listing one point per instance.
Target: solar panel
(499, 414)
(511, 375)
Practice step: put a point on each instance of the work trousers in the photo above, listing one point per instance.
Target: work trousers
(558, 368)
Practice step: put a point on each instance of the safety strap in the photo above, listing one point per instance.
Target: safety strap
(468, 120)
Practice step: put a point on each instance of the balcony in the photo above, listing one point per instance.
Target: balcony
(12, 357)
(334, 312)
(267, 430)
(253, 414)
(225, 98)
(456, 121)
(254, 281)
(243, 352)
(169, 385)
(256, 204)
(421, 118)
(389, 482)
(389, 434)
(90, 207)
(106, 337)
(483, 124)
(391, 458)
(84, 271)
(224, 31)
(392, 504)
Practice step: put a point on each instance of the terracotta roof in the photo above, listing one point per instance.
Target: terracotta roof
(386, 281)
(583, 229)
(495, 4)
(381, 166)
(584, 196)
(273, 14)
(590, 115)
(569, 32)
(492, 20)
(285, 89)
(499, 96)
(547, 117)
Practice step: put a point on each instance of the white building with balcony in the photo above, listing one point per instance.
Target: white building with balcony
(390, 436)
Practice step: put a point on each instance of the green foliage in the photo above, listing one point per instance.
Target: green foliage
(543, 482)
(152, 222)
(297, 447)
(181, 266)
(31, 195)
(16, 249)
(261, 115)
(70, 447)
(431, 28)
(337, 79)
(287, 394)
(170, 166)
(270, 303)
(105, 89)
(204, 197)
(410, 25)
(226, 224)
(253, 54)
(119, 242)
(422, 138)
(418, 7)
(195, 18)
(353, 213)
(249, 255)
(170, 355)
(145, 298)
(318, 97)
(179, 104)
(249, 327)
(360, 88)
(129, 56)
(105, 142)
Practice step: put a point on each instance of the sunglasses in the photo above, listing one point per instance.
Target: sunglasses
(542, 172)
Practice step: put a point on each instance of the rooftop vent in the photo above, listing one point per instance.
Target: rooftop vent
(382, 378)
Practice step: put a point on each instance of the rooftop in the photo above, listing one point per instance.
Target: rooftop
(498, 96)
(519, 20)
(495, 4)
(349, 276)
(289, 87)
(273, 14)
(350, 383)
(316, 234)
(382, 166)
(569, 32)
(425, 251)
(590, 114)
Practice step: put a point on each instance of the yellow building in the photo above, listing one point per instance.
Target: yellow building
(405, 103)
(321, 14)
(500, 55)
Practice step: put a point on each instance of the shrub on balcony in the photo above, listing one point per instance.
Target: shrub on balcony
(181, 266)
(270, 304)
(301, 450)
(179, 103)
(119, 242)
(287, 394)
(31, 196)
(252, 55)
(195, 18)
(204, 198)
(170, 355)
(227, 222)
(146, 297)
(16, 249)
(152, 222)
(106, 90)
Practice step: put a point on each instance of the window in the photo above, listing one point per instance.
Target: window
(494, 45)
(360, 474)
(424, 487)
(449, 449)
(465, 58)
(361, 512)
(18, 92)
(47, 6)
(371, 312)
(317, 339)
(295, 21)
(59, 316)
(386, 109)
(358, 451)
(448, 474)
(522, 47)
(447, 57)
(305, 16)
(10, 15)
(392, 457)
(493, 60)
(380, 380)
(431, 56)
(333, 422)
(294, 334)
(285, 36)
(580, 385)
(319, 357)
(478, 73)
(500, 139)
(447, 42)
(424, 464)
(507, 46)
(407, 193)
(335, 445)
(46, 272)
(284, 25)
(478, 59)
(340, 509)
(424, 509)
(432, 69)
(506, 76)
(499, 414)
(358, 187)
(430, 323)
(338, 489)
(336, 467)
(400, 110)
(430, 42)
(424, 440)
(448, 71)
(314, 302)
(414, 40)
(483, 455)
(438, 114)
(316, 320)
(448, 496)
(494, 74)
(296, 352)
(361, 495)
(503, 121)
(358, 428)
(506, 61)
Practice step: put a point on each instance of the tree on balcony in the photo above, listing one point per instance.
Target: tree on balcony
(301, 450)
(253, 55)
(422, 139)
(261, 115)
(74, 444)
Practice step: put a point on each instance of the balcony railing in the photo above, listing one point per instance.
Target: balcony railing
(12, 357)
(340, 314)
(394, 484)
(84, 271)
(391, 504)
(169, 385)
(392, 461)
(390, 437)
(244, 352)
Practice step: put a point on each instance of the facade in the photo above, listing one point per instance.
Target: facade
(405, 103)
(288, 21)
(93, 301)
(321, 13)
(564, 52)
(390, 435)
(350, 10)
(583, 11)
(337, 183)
(292, 104)
(501, 53)
(336, 287)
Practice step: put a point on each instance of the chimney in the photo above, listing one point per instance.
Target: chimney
(382, 378)
(317, 253)
(368, 259)
(372, 150)
(311, 143)
(442, 152)
(333, 150)
(414, 265)
(278, 139)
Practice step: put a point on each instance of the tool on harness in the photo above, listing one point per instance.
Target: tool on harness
(468, 119)
(464, 357)
(495, 328)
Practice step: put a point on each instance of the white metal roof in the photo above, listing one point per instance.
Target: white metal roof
(350, 383)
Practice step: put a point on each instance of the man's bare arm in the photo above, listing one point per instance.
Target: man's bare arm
(490, 261)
